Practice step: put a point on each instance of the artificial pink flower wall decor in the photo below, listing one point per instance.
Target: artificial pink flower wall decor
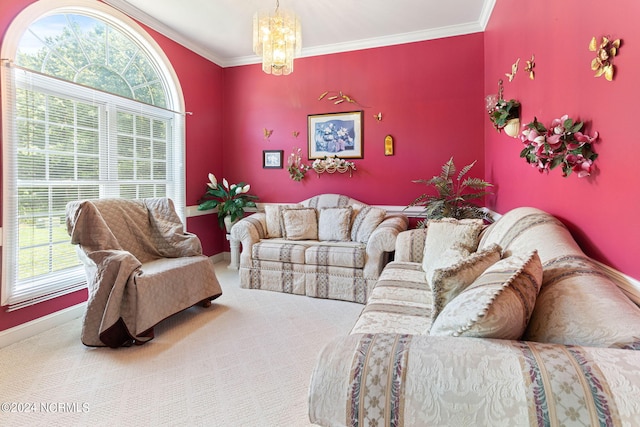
(561, 144)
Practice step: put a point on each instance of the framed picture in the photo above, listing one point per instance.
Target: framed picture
(335, 134)
(272, 159)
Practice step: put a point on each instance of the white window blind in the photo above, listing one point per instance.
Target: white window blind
(66, 142)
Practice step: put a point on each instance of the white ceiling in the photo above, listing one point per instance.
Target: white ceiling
(221, 30)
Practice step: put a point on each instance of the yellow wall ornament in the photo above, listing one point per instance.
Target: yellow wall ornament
(606, 50)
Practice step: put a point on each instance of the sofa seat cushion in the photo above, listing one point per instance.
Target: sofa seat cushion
(403, 281)
(279, 250)
(337, 255)
(399, 303)
(390, 316)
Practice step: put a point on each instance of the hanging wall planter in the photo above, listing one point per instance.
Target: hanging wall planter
(512, 128)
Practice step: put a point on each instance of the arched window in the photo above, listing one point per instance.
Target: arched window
(91, 109)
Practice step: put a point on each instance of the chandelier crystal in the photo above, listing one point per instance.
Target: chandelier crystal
(277, 39)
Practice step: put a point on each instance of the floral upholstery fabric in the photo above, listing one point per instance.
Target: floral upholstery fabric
(582, 372)
(352, 255)
(400, 302)
(410, 245)
(449, 241)
(335, 224)
(399, 379)
(450, 281)
(273, 218)
(498, 304)
(325, 269)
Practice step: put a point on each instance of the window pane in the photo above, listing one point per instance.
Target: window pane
(72, 142)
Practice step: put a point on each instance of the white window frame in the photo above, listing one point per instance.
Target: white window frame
(175, 102)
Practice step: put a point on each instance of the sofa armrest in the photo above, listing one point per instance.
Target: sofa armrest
(410, 245)
(471, 381)
(247, 231)
(383, 239)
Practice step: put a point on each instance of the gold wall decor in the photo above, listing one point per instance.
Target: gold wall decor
(378, 116)
(267, 133)
(338, 97)
(388, 145)
(528, 68)
(514, 70)
(606, 50)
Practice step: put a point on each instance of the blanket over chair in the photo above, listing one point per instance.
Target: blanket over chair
(141, 266)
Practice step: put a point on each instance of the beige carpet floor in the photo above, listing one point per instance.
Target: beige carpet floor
(244, 361)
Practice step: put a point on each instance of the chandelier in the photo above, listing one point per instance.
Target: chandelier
(277, 39)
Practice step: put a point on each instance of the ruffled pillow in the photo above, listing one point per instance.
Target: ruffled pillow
(498, 304)
(449, 241)
(450, 281)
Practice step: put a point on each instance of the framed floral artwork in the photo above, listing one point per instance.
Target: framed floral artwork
(335, 134)
(272, 159)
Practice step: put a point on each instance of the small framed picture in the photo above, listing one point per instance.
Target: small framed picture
(272, 159)
(335, 134)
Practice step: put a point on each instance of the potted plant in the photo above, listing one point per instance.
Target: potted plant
(506, 115)
(455, 195)
(229, 199)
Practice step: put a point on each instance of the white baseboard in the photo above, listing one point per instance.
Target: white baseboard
(41, 324)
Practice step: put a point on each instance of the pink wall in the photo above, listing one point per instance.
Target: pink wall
(201, 83)
(430, 96)
(601, 210)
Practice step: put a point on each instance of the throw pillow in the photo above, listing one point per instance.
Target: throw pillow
(498, 304)
(448, 241)
(300, 224)
(450, 281)
(273, 213)
(367, 220)
(335, 224)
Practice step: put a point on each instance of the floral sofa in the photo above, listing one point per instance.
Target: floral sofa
(523, 330)
(327, 246)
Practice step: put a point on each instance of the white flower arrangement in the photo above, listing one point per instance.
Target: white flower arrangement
(333, 164)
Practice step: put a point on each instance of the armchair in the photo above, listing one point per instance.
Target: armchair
(141, 267)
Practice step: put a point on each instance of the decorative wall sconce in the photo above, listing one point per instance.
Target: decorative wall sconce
(388, 145)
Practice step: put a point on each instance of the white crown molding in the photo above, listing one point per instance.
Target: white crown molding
(485, 13)
(415, 36)
(396, 39)
(151, 22)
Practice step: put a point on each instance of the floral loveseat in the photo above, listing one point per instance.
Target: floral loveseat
(328, 246)
(524, 330)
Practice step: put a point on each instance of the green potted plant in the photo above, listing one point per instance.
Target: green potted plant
(506, 115)
(455, 195)
(229, 199)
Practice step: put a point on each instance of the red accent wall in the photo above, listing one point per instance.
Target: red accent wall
(429, 94)
(601, 211)
(201, 82)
